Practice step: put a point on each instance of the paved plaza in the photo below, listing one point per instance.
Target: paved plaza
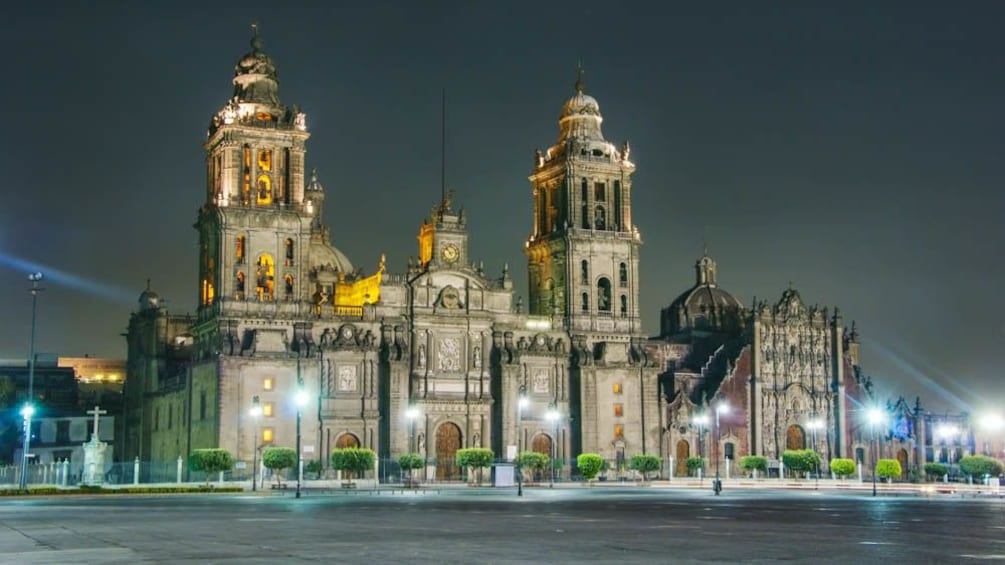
(468, 525)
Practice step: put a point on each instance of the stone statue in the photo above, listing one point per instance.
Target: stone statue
(422, 356)
(477, 357)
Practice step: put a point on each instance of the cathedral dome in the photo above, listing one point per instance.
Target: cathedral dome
(581, 117)
(703, 307)
(324, 257)
(255, 78)
(149, 300)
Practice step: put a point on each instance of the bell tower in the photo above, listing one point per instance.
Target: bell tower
(583, 255)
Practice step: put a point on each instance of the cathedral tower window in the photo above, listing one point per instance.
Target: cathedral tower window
(600, 218)
(599, 192)
(239, 249)
(604, 295)
(264, 189)
(265, 278)
(286, 170)
(585, 212)
(623, 275)
(583, 194)
(586, 302)
(289, 252)
(617, 204)
(264, 160)
(239, 284)
(246, 187)
(585, 272)
(624, 306)
(289, 286)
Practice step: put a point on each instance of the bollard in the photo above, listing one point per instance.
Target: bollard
(136, 471)
(781, 470)
(66, 471)
(670, 472)
(178, 471)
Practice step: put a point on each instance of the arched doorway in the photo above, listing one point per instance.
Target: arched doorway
(448, 441)
(541, 444)
(683, 452)
(902, 459)
(346, 440)
(795, 437)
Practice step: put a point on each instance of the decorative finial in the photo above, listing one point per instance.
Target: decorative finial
(148, 283)
(314, 175)
(580, 85)
(256, 40)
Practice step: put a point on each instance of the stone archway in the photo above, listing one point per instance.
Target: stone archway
(795, 437)
(448, 441)
(541, 443)
(346, 440)
(683, 452)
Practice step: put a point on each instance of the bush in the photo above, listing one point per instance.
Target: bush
(210, 461)
(888, 469)
(754, 463)
(411, 461)
(979, 465)
(589, 465)
(536, 462)
(644, 464)
(800, 460)
(695, 463)
(477, 457)
(843, 467)
(353, 460)
(313, 466)
(935, 471)
(279, 458)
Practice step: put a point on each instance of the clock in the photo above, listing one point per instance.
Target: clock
(451, 253)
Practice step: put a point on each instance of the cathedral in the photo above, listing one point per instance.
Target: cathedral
(441, 356)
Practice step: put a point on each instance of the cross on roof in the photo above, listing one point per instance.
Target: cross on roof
(97, 412)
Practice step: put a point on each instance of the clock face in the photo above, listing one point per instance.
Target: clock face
(451, 253)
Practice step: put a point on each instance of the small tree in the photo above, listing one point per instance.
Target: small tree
(278, 458)
(934, 471)
(589, 465)
(977, 466)
(408, 462)
(800, 460)
(888, 469)
(754, 463)
(353, 460)
(695, 463)
(476, 457)
(536, 462)
(842, 467)
(644, 464)
(313, 466)
(210, 461)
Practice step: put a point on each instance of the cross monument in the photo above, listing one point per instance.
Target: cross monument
(97, 412)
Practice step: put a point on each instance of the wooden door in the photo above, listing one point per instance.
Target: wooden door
(448, 441)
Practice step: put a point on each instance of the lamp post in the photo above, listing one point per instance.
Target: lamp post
(814, 425)
(29, 408)
(412, 414)
(875, 418)
(256, 413)
(701, 420)
(553, 416)
(521, 404)
(721, 408)
(301, 401)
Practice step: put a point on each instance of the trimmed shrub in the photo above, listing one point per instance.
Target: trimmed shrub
(888, 469)
(210, 461)
(279, 458)
(477, 457)
(411, 461)
(644, 464)
(536, 462)
(935, 471)
(979, 465)
(754, 463)
(589, 465)
(843, 467)
(800, 460)
(695, 463)
(353, 460)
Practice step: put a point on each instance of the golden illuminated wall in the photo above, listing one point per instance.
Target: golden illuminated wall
(363, 291)
(425, 243)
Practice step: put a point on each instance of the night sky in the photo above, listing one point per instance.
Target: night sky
(854, 149)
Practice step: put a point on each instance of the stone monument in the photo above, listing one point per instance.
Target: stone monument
(94, 454)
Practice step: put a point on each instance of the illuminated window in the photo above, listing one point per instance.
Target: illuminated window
(240, 286)
(246, 188)
(289, 252)
(239, 249)
(619, 430)
(267, 435)
(264, 194)
(617, 388)
(268, 383)
(268, 409)
(265, 159)
(265, 278)
(289, 286)
(619, 410)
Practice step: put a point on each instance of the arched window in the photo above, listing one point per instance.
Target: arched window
(264, 194)
(624, 306)
(246, 186)
(586, 302)
(265, 277)
(599, 218)
(239, 246)
(289, 252)
(584, 192)
(289, 286)
(264, 160)
(604, 295)
(584, 272)
(239, 284)
(599, 192)
(586, 216)
(623, 275)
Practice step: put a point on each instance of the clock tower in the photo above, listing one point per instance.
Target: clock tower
(443, 240)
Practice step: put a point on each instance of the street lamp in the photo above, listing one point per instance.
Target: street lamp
(702, 421)
(256, 413)
(521, 404)
(553, 416)
(301, 401)
(29, 408)
(412, 413)
(875, 418)
(814, 425)
(721, 408)
(945, 432)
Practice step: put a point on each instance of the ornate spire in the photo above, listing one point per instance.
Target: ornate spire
(580, 84)
(256, 39)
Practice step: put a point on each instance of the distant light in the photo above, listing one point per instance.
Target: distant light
(701, 419)
(35, 277)
(553, 415)
(301, 398)
(538, 324)
(524, 402)
(412, 413)
(875, 416)
(992, 422)
(722, 408)
(946, 431)
(27, 411)
(815, 424)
